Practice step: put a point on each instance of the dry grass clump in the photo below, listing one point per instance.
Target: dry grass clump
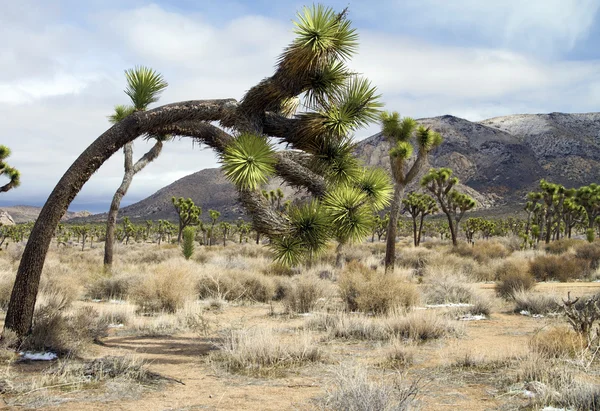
(302, 295)
(560, 268)
(421, 326)
(64, 334)
(190, 318)
(277, 269)
(165, 287)
(236, 285)
(366, 290)
(556, 383)
(482, 251)
(108, 286)
(535, 303)
(560, 342)
(414, 257)
(350, 327)
(399, 355)
(561, 246)
(260, 351)
(589, 252)
(512, 276)
(353, 390)
(445, 263)
(7, 280)
(449, 289)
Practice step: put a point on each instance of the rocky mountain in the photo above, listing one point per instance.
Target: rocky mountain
(25, 214)
(497, 160)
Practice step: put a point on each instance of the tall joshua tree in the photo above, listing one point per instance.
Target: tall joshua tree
(589, 198)
(337, 102)
(12, 173)
(404, 136)
(144, 86)
(453, 203)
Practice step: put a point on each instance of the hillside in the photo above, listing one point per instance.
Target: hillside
(25, 214)
(498, 160)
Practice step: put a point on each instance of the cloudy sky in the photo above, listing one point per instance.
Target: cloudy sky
(62, 62)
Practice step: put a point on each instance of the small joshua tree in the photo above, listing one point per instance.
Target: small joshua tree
(187, 247)
(214, 216)
(144, 87)
(188, 212)
(404, 136)
(419, 206)
(12, 173)
(453, 203)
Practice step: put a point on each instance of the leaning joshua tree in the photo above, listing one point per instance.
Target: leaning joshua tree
(453, 203)
(403, 139)
(337, 102)
(144, 86)
(12, 173)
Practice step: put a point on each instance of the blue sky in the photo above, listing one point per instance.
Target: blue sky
(62, 69)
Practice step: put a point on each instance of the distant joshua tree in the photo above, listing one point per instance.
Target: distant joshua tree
(453, 203)
(12, 173)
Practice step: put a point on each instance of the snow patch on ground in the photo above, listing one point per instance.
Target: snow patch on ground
(528, 314)
(471, 317)
(448, 305)
(38, 356)
(115, 325)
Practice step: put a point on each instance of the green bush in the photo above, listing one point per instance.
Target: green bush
(560, 268)
(187, 247)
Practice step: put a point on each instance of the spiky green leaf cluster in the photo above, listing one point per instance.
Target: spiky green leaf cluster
(334, 159)
(288, 250)
(322, 35)
(144, 86)
(248, 161)
(403, 150)
(427, 139)
(396, 129)
(121, 111)
(311, 225)
(377, 186)
(350, 213)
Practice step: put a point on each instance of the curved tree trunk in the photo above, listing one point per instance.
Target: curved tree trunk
(19, 314)
(130, 171)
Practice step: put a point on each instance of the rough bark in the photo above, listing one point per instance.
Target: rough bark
(22, 301)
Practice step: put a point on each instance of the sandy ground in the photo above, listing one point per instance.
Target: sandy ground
(205, 387)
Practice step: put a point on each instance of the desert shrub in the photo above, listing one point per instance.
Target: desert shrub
(63, 334)
(416, 257)
(479, 306)
(353, 390)
(259, 351)
(449, 289)
(399, 355)
(557, 343)
(561, 246)
(277, 269)
(6, 284)
(366, 290)
(513, 276)
(482, 251)
(221, 285)
(350, 327)
(303, 295)
(421, 326)
(164, 288)
(233, 286)
(108, 286)
(589, 252)
(561, 268)
(535, 303)
(256, 287)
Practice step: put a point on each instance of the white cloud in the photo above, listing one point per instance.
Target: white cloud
(534, 25)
